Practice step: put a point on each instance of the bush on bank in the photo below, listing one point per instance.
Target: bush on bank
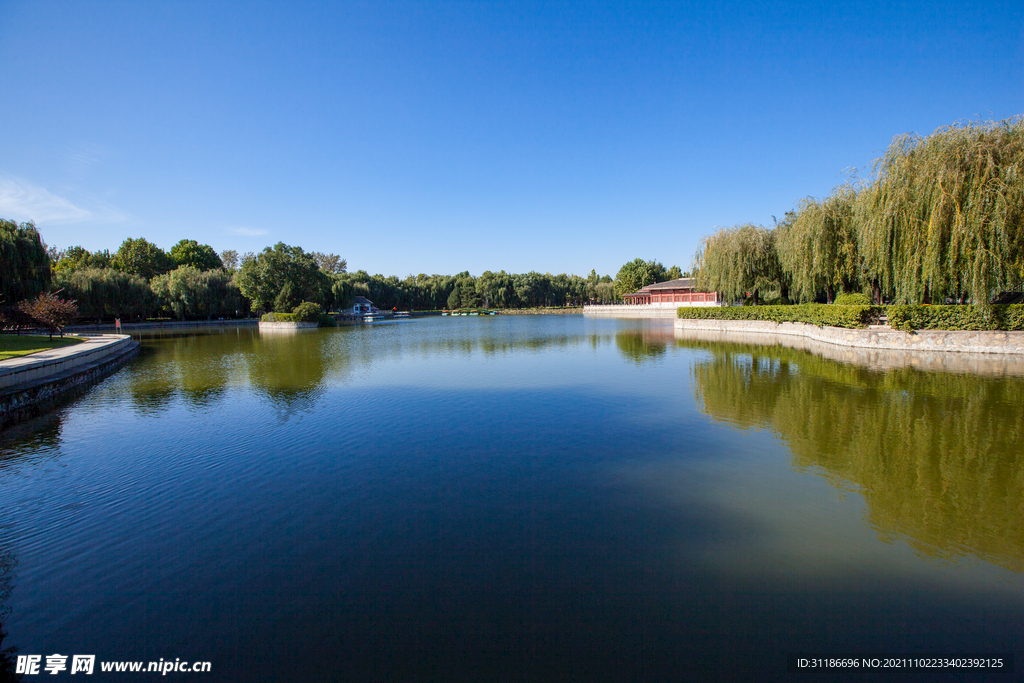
(279, 318)
(1001, 317)
(305, 312)
(856, 299)
(833, 315)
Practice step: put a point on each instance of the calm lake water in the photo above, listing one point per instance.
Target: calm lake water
(514, 498)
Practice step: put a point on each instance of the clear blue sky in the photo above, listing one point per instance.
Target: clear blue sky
(437, 137)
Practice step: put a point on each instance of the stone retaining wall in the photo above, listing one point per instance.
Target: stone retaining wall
(109, 328)
(63, 381)
(285, 327)
(663, 311)
(25, 369)
(987, 364)
(874, 337)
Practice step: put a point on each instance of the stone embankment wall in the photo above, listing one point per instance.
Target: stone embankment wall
(664, 311)
(988, 364)
(169, 325)
(285, 327)
(31, 385)
(874, 337)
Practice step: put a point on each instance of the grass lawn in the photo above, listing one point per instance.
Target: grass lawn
(13, 345)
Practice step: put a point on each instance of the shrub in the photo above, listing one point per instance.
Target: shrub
(50, 311)
(326, 320)
(856, 299)
(910, 318)
(814, 314)
(278, 318)
(307, 312)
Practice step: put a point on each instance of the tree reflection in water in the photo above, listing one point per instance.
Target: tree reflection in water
(640, 346)
(288, 368)
(938, 457)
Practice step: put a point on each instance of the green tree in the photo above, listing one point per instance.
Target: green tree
(637, 274)
(191, 253)
(24, 264)
(229, 257)
(605, 292)
(78, 258)
(529, 289)
(455, 298)
(140, 257)
(330, 263)
(282, 276)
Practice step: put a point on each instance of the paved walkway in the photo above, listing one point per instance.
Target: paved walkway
(40, 365)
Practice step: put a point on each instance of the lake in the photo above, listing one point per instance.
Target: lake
(514, 498)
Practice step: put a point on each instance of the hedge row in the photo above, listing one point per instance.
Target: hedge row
(279, 318)
(306, 312)
(909, 318)
(833, 315)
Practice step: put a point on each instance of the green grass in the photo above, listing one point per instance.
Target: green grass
(14, 345)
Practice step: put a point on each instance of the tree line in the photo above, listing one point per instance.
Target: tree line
(940, 219)
(191, 280)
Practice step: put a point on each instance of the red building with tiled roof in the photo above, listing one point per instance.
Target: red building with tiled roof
(680, 291)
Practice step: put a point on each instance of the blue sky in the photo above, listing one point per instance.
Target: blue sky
(436, 137)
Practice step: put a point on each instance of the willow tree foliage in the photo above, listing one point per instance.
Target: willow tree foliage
(106, 292)
(945, 214)
(817, 246)
(190, 292)
(739, 260)
(24, 264)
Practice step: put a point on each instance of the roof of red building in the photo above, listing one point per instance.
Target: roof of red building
(678, 283)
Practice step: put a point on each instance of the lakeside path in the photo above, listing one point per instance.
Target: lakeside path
(31, 385)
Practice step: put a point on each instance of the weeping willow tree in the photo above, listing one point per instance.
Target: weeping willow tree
(735, 261)
(945, 214)
(817, 246)
(24, 264)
